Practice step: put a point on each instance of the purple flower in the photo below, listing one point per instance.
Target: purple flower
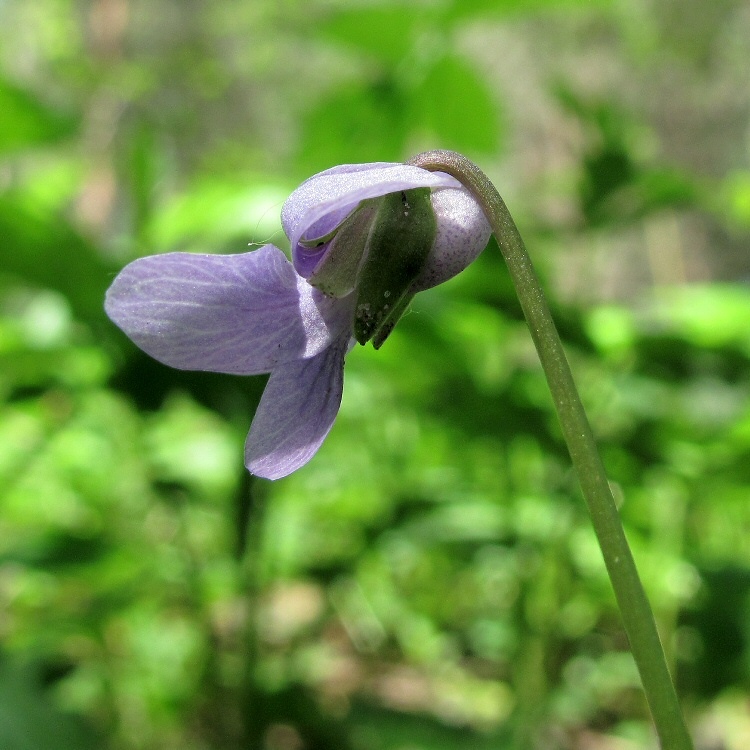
(256, 312)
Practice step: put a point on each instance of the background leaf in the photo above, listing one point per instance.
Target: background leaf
(457, 107)
(27, 122)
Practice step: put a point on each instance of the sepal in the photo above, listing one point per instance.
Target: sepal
(402, 235)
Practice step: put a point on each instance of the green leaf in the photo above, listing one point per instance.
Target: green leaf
(735, 197)
(25, 121)
(214, 212)
(383, 32)
(30, 721)
(356, 124)
(47, 252)
(142, 163)
(461, 9)
(712, 315)
(456, 105)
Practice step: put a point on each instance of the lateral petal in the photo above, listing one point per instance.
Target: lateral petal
(242, 314)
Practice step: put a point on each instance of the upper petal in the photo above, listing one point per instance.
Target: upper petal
(296, 412)
(322, 202)
(462, 234)
(241, 314)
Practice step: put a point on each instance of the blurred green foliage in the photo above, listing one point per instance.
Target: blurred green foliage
(431, 579)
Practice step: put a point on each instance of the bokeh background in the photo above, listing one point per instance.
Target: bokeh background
(430, 580)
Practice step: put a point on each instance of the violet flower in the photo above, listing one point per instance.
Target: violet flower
(365, 238)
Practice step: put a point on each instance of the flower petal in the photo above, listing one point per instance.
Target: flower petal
(241, 314)
(321, 203)
(462, 234)
(296, 412)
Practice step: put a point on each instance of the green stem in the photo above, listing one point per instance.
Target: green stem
(631, 598)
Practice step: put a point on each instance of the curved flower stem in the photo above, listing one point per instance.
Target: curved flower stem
(631, 598)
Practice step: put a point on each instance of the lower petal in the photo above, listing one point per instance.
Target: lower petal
(297, 411)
